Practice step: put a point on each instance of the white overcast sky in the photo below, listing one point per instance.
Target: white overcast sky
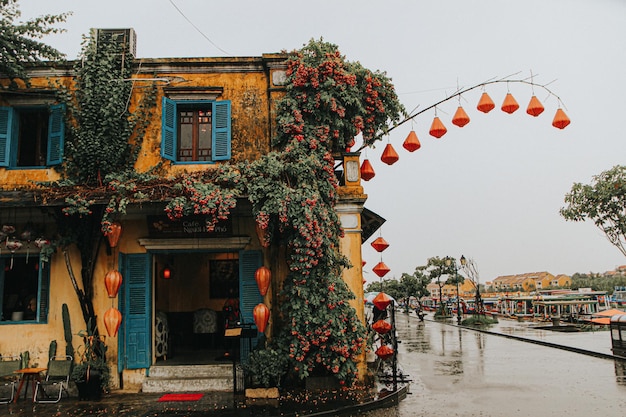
(491, 190)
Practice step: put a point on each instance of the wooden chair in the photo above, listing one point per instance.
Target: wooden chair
(51, 389)
(8, 378)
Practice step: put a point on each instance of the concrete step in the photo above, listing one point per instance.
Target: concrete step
(189, 378)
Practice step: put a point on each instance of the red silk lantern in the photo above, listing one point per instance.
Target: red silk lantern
(560, 119)
(381, 327)
(411, 143)
(380, 244)
(460, 117)
(535, 108)
(384, 352)
(367, 171)
(509, 105)
(437, 129)
(263, 276)
(363, 263)
(263, 235)
(390, 156)
(112, 321)
(485, 104)
(381, 269)
(381, 301)
(261, 316)
(112, 282)
(113, 235)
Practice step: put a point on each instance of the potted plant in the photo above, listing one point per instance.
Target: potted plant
(91, 373)
(264, 370)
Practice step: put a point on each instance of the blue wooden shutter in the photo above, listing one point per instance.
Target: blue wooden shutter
(44, 291)
(249, 295)
(6, 118)
(221, 130)
(56, 135)
(168, 129)
(136, 313)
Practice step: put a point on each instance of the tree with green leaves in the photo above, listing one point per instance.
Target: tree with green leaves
(603, 201)
(434, 269)
(20, 41)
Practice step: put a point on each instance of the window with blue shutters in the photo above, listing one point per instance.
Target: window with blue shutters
(24, 290)
(195, 131)
(31, 137)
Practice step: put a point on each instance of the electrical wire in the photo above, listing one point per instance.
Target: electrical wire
(195, 27)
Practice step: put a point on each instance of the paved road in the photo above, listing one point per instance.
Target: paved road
(460, 372)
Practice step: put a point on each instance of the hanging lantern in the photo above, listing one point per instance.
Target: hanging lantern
(263, 276)
(411, 143)
(509, 105)
(112, 282)
(381, 269)
(485, 104)
(263, 235)
(535, 108)
(367, 171)
(382, 300)
(363, 263)
(381, 327)
(460, 117)
(40, 242)
(384, 352)
(261, 316)
(167, 272)
(13, 244)
(390, 156)
(380, 244)
(437, 129)
(114, 234)
(112, 321)
(560, 119)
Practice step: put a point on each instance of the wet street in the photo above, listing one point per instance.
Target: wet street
(461, 372)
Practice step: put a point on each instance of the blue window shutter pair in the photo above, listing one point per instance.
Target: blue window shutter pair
(221, 143)
(56, 134)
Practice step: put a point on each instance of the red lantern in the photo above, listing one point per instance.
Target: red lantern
(509, 105)
(263, 276)
(367, 171)
(560, 119)
(384, 352)
(437, 129)
(112, 282)
(535, 108)
(112, 321)
(460, 117)
(363, 263)
(380, 244)
(411, 143)
(114, 234)
(381, 327)
(263, 235)
(261, 316)
(381, 301)
(167, 272)
(381, 269)
(485, 104)
(390, 156)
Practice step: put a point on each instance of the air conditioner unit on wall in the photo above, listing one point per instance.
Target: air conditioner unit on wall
(125, 36)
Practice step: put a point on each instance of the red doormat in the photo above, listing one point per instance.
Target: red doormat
(180, 397)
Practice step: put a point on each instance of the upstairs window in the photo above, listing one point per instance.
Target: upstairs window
(31, 137)
(24, 285)
(195, 131)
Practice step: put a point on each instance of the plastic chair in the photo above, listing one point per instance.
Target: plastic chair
(8, 378)
(51, 389)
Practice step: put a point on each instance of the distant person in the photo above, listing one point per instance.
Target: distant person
(30, 313)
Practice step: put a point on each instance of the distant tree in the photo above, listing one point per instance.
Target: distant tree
(604, 202)
(434, 269)
(19, 42)
(471, 271)
(414, 285)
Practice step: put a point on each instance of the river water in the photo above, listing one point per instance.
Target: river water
(461, 372)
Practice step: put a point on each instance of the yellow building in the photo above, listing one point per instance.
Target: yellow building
(170, 269)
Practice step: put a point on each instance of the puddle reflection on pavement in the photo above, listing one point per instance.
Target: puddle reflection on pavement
(460, 372)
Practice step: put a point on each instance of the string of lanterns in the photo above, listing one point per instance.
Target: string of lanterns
(112, 282)
(461, 119)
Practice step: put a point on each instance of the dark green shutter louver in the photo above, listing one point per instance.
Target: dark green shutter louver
(6, 117)
(56, 135)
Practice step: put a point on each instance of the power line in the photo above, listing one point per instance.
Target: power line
(196, 28)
